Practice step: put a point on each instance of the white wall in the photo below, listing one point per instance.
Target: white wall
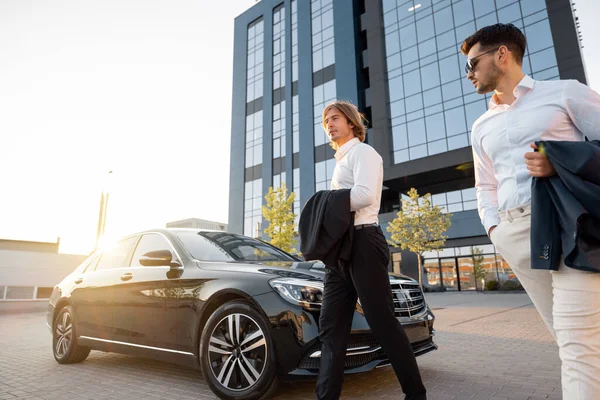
(25, 268)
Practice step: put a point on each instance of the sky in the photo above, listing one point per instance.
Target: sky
(138, 87)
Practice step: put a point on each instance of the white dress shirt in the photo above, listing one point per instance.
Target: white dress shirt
(542, 110)
(360, 168)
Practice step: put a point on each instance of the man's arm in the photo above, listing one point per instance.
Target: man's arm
(582, 104)
(367, 171)
(486, 186)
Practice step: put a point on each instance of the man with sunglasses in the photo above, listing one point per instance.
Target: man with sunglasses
(522, 111)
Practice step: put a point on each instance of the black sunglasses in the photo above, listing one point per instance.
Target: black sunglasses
(471, 63)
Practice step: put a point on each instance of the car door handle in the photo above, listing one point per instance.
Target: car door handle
(78, 281)
(126, 276)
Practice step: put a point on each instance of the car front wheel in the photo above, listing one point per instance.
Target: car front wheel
(64, 339)
(236, 353)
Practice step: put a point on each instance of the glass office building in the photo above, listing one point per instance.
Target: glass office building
(400, 62)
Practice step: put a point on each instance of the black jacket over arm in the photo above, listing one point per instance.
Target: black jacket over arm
(565, 208)
(325, 228)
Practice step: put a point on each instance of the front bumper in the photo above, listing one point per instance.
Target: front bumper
(295, 335)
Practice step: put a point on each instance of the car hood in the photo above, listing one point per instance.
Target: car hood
(286, 269)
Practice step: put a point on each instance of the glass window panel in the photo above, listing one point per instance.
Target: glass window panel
(451, 90)
(502, 3)
(464, 31)
(430, 76)
(531, 6)
(532, 19)
(412, 83)
(449, 69)
(389, 5)
(408, 36)
(328, 55)
(432, 97)
(416, 132)
(463, 12)
(435, 127)
(454, 196)
(414, 103)
(401, 156)
(538, 36)
(446, 40)
(458, 142)
(427, 48)
(425, 28)
(408, 56)
(449, 252)
(452, 208)
(396, 88)
(393, 62)
(487, 20)
(474, 111)
(320, 172)
(434, 109)
(508, 14)
(418, 152)
(390, 18)
(400, 137)
(438, 199)
(329, 89)
(470, 205)
(455, 121)
(483, 7)
(437, 147)
(443, 20)
(397, 108)
(543, 60)
(547, 74)
(404, 13)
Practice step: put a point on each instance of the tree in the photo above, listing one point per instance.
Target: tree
(478, 269)
(419, 227)
(282, 221)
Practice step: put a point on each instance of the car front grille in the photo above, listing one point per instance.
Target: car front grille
(408, 298)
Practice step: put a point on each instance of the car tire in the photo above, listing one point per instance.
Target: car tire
(240, 365)
(64, 339)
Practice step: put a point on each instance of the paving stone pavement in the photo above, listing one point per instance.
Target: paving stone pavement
(491, 346)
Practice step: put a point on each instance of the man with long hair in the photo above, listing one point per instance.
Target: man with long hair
(521, 112)
(360, 168)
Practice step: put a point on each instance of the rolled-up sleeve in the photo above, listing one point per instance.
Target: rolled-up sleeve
(583, 107)
(486, 186)
(367, 172)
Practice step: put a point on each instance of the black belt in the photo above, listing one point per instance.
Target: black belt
(359, 227)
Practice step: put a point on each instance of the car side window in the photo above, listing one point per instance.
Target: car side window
(119, 256)
(149, 242)
(91, 262)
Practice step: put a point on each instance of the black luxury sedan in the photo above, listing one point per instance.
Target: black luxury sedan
(239, 309)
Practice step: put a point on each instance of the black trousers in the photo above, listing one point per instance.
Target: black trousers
(367, 278)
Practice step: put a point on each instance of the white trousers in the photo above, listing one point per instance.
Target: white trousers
(568, 301)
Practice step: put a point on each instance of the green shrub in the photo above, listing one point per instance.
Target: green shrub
(511, 285)
(491, 285)
(436, 288)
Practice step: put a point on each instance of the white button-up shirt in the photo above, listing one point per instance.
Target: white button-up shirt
(360, 168)
(543, 110)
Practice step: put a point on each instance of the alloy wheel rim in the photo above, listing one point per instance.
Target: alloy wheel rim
(64, 334)
(237, 352)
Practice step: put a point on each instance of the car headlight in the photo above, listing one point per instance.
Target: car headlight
(304, 293)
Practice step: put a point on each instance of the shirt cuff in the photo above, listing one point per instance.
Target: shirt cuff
(490, 221)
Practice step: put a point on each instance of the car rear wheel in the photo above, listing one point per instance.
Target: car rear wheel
(236, 353)
(64, 339)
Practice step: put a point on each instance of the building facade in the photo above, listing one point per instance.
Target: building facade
(29, 270)
(399, 61)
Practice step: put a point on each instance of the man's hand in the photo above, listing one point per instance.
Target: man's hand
(538, 164)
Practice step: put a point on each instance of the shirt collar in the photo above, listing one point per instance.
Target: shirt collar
(342, 151)
(524, 86)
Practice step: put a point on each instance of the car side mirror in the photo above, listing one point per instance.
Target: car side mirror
(158, 258)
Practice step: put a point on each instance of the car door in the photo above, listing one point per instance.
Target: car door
(92, 297)
(147, 299)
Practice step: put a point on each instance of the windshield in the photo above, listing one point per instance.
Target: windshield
(221, 246)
